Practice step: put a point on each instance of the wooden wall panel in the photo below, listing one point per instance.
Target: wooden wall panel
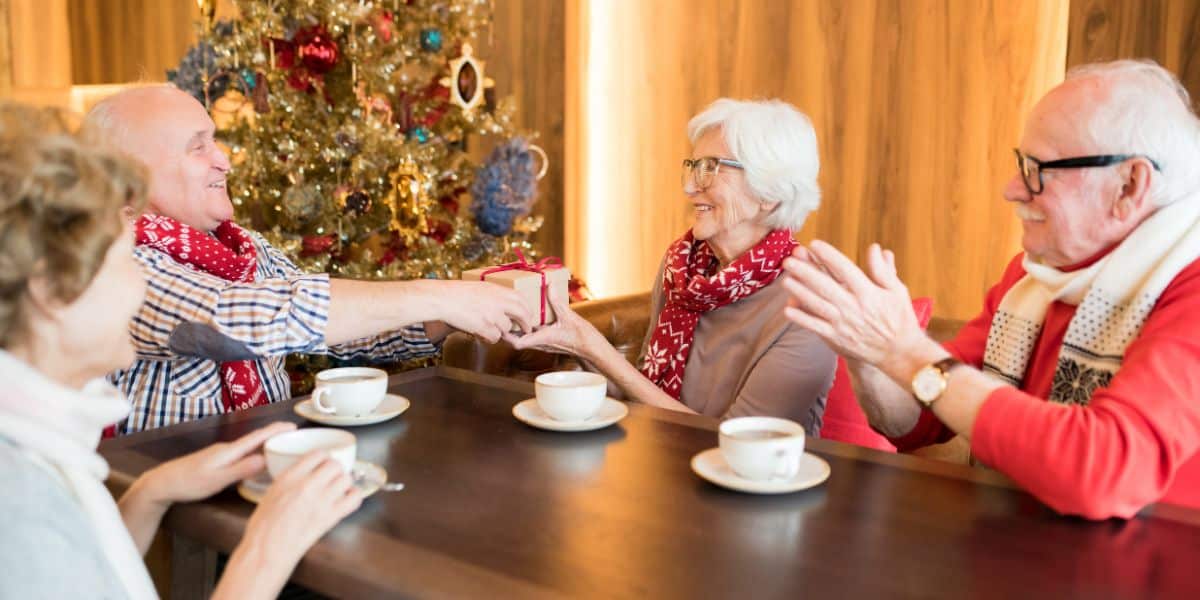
(39, 51)
(6, 80)
(1167, 31)
(526, 59)
(916, 104)
(119, 41)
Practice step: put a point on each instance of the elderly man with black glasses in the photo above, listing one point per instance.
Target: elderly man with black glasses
(1080, 378)
(719, 343)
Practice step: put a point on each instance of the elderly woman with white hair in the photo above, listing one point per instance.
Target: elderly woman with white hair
(719, 343)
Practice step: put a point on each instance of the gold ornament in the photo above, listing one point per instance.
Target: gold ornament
(467, 81)
(208, 13)
(373, 103)
(407, 195)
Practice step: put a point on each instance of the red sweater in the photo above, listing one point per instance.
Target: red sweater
(1134, 444)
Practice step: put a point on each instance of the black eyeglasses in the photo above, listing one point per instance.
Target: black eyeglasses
(704, 170)
(1031, 168)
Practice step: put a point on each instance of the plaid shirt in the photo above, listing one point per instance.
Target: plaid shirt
(191, 322)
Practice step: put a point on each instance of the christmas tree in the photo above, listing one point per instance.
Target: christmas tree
(347, 123)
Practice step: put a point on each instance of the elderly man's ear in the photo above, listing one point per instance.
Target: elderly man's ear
(1134, 201)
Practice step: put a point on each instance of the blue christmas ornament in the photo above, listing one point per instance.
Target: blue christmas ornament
(248, 77)
(419, 133)
(431, 40)
(505, 187)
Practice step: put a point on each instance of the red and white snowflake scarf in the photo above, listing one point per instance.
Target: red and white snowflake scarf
(693, 284)
(229, 254)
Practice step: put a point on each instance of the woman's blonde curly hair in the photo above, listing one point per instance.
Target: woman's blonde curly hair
(61, 199)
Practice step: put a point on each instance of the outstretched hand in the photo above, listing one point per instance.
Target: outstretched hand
(570, 333)
(484, 310)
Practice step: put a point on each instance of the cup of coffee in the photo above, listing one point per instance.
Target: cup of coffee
(349, 391)
(762, 448)
(570, 395)
(286, 448)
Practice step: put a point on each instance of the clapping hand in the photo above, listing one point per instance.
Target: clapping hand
(868, 318)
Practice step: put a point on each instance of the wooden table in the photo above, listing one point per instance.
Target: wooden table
(496, 509)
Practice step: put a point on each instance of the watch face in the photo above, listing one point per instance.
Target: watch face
(928, 384)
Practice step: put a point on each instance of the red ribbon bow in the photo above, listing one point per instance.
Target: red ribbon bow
(540, 267)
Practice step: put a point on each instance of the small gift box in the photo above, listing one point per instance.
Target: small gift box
(533, 281)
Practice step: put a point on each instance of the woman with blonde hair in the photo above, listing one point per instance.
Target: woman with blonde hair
(68, 288)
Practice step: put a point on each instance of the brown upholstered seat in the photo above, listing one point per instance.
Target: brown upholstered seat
(622, 319)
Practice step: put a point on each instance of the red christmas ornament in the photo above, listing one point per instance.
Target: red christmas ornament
(316, 244)
(441, 97)
(384, 25)
(577, 290)
(318, 52)
(439, 231)
(309, 55)
(450, 201)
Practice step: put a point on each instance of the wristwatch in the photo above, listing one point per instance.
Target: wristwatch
(930, 382)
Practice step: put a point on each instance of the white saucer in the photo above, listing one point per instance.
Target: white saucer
(530, 413)
(391, 406)
(711, 465)
(369, 477)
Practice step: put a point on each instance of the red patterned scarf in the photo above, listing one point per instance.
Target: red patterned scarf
(693, 284)
(229, 254)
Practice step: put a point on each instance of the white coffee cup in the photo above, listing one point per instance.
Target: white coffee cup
(349, 391)
(762, 448)
(570, 395)
(286, 448)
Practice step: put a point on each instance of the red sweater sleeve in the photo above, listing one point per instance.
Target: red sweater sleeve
(1122, 451)
(968, 346)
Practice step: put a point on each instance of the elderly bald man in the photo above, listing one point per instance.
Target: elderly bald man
(224, 308)
(1080, 378)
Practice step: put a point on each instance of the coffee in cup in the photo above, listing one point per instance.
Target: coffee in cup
(762, 448)
(349, 391)
(286, 448)
(570, 395)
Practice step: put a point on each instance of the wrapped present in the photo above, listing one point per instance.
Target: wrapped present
(534, 281)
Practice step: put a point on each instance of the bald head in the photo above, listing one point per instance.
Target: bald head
(173, 135)
(134, 120)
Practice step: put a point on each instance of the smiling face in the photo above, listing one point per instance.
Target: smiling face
(172, 134)
(726, 213)
(1073, 218)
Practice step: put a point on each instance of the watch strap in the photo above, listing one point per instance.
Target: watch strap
(946, 364)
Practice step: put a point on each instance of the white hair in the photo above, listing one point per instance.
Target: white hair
(1146, 111)
(777, 145)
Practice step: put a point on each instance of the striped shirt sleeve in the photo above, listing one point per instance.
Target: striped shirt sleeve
(405, 343)
(402, 344)
(269, 316)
